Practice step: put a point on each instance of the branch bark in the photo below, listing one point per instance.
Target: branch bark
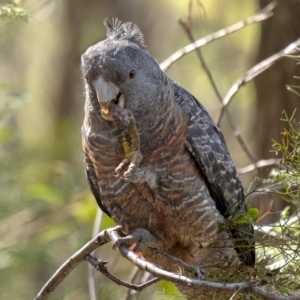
(99, 265)
(259, 164)
(262, 15)
(113, 235)
(69, 265)
(255, 71)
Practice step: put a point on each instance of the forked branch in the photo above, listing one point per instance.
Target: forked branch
(113, 234)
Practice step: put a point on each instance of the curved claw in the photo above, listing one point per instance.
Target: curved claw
(125, 120)
(130, 170)
(142, 237)
(200, 272)
(133, 159)
(121, 166)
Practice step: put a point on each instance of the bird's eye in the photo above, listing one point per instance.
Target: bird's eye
(131, 74)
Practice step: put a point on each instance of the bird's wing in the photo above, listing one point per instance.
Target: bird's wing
(207, 145)
(92, 179)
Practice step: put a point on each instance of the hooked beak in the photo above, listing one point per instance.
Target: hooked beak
(107, 92)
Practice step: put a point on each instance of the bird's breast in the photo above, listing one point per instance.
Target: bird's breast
(177, 208)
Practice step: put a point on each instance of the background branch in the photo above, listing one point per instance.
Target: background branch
(99, 265)
(131, 278)
(259, 164)
(262, 15)
(91, 270)
(255, 71)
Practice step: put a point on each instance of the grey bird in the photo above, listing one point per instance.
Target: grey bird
(156, 162)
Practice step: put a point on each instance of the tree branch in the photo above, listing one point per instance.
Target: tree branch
(99, 265)
(259, 164)
(250, 286)
(262, 15)
(188, 32)
(101, 239)
(255, 71)
(113, 235)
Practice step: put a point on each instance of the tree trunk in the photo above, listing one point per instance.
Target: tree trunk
(272, 95)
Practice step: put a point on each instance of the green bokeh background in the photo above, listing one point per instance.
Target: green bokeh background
(46, 209)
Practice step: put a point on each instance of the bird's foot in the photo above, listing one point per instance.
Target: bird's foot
(133, 156)
(141, 237)
(125, 120)
(135, 175)
(139, 175)
(133, 159)
(200, 272)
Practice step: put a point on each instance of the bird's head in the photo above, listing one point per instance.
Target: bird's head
(120, 69)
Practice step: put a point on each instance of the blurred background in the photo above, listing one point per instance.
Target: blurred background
(46, 209)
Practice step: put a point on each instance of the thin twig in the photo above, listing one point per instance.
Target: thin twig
(133, 274)
(262, 15)
(131, 278)
(238, 136)
(91, 271)
(259, 164)
(265, 190)
(246, 296)
(234, 294)
(100, 266)
(190, 9)
(268, 235)
(132, 293)
(188, 31)
(203, 14)
(255, 71)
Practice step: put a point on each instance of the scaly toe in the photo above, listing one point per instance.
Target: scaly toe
(142, 237)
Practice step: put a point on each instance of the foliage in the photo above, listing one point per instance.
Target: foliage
(170, 290)
(34, 200)
(289, 149)
(278, 246)
(295, 88)
(13, 11)
(46, 209)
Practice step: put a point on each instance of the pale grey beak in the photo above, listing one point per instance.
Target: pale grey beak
(106, 92)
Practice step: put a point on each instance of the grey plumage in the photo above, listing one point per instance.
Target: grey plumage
(180, 184)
